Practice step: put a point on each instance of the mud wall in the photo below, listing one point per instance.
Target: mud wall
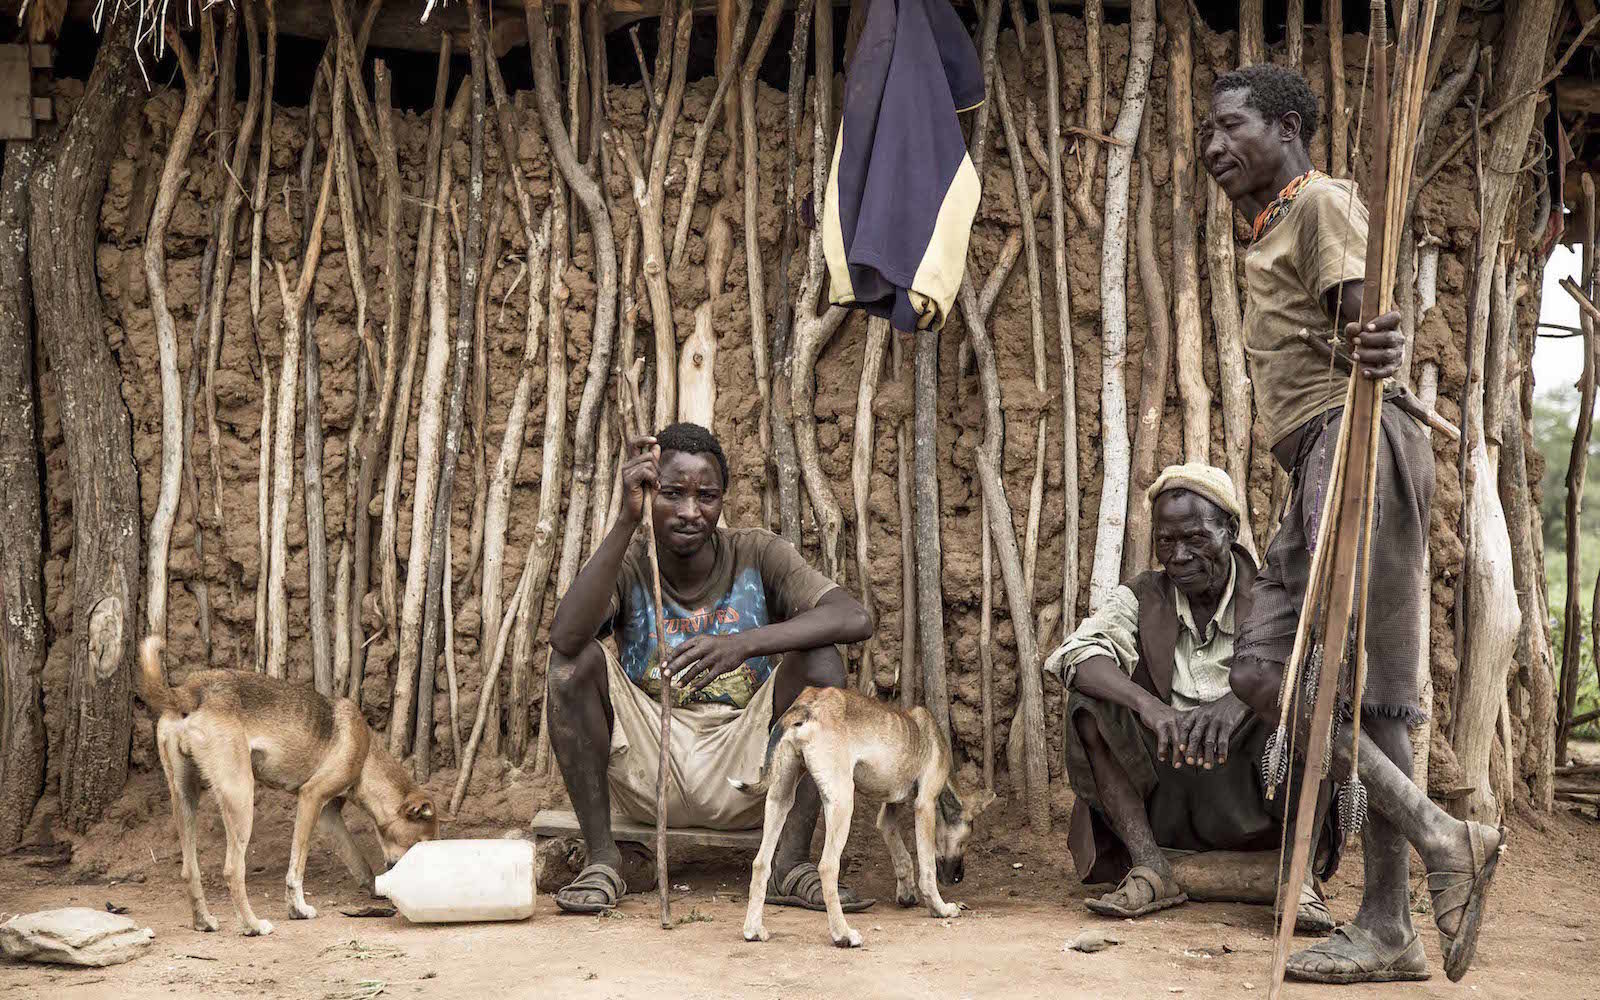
(1447, 212)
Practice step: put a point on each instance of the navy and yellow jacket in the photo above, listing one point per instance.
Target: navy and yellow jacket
(902, 192)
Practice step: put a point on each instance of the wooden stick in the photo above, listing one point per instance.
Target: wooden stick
(1577, 478)
(1229, 324)
(1107, 571)
(726, 72)
(631, 407)
(1094, 116)
(754, 269)
(863, 448)
(1152, 382)
(1338, 118)
(1193, 389)
(198, 83)
(1063, 296)
(906, 674)
(480, 380)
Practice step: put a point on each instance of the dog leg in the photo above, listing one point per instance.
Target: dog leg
(905, 874)
(330, 823)
(780, 799)
(233, 785)
(926, 878)
(183, 785)
(307, 808)
(838, 802)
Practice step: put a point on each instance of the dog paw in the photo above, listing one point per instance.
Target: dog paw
(905, 896)
(207, 923)
(261, 929)
(757, 933)
(948, 910)
(302, 911)
(852, 939)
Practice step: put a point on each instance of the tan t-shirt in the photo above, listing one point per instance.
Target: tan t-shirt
(1318, 244)
(757, 579)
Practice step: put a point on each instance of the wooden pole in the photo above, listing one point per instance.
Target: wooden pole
(1577, 473)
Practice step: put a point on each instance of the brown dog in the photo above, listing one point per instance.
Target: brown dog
(847, 742)
(228, 729)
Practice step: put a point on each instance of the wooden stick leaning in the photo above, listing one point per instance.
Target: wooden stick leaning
(630, 408)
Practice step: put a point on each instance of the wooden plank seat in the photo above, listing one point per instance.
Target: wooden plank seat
(548, 823)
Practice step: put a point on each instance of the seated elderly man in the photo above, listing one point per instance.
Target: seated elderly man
(1161, 754)
(748, 626)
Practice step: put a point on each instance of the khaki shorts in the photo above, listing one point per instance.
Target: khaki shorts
(710, 743)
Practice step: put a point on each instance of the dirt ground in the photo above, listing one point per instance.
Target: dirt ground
(1024, 903)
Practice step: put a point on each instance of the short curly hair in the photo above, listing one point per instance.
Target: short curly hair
(1275, 91)
(692, 439)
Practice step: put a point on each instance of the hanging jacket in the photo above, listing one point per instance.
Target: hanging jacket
(902, 191)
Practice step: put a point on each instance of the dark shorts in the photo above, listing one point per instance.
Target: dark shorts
(1190, 808)
(1397, 643)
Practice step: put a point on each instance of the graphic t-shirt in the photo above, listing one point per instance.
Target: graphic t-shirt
(757, 579)
(1319, 244)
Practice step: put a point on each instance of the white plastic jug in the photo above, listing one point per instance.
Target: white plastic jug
(441, 881)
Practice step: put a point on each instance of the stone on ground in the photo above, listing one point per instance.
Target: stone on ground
(74, 935)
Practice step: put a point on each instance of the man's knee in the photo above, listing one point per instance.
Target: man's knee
(1255, 682)
(1088, 731)
(573, 677)
(822, 667)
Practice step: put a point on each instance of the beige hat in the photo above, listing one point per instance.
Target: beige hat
(1197, 477)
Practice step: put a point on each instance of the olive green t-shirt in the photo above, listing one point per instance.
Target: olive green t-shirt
(757, 579)
(1318, 244)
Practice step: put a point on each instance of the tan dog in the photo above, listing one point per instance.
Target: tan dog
(847, 742)
(228, 729)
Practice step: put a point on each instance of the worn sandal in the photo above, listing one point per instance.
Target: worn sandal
(1313, 916)
(802, 888)
(1467, 892)
(1162, 894)
(1358, 959)
(603, 879)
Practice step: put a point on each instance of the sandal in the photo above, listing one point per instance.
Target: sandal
(1358, 959)
(802, 888)
(1467, 892)
(1313, 917)
(1162, 894)
(603, 879)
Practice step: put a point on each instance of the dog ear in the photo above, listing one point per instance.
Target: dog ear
(950, 807)
(420, 810)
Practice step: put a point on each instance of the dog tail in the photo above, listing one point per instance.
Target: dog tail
(791, 720)
(152, 682)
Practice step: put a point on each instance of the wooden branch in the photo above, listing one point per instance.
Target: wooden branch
(1094, 115)
(754, 276)
(472, 254)
(1029, 720)
(863, 448)
(592, 198)
(429, 420)
(696, 374)
(1338, 117)
(1152, 382)
(389, 574)
(1193, 390)
(906, 673)
(1228, 322)
(651, 199)
(1577, 477)
(930, 568)
(1295, 33)
(1106, 573)
(702, 134)
(198, 84)
(1252, 33)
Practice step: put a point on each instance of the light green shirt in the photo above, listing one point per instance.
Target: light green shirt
(1200, 661)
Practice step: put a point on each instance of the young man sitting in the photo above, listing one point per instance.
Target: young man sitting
(748, 625)
(1161, 754)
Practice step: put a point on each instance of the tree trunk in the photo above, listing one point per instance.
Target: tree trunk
(67, 191)
(862, 449)
(1338, 127)
(22, 624)
(1577, 475)
(755, 283)
(1094, 115)
(1252, 33)
(1113, 307)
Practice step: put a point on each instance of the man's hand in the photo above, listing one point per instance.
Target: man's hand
(704, 658)
(1167, 723)
(1379, 346)
(642, 469)
(1208, 729)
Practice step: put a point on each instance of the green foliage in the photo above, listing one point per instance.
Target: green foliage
(1554, 417)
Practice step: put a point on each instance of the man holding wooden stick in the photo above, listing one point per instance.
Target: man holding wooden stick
(749, 624)
(1304, 271)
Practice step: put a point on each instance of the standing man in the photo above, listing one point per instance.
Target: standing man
(749, 624)
(1304, 272)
